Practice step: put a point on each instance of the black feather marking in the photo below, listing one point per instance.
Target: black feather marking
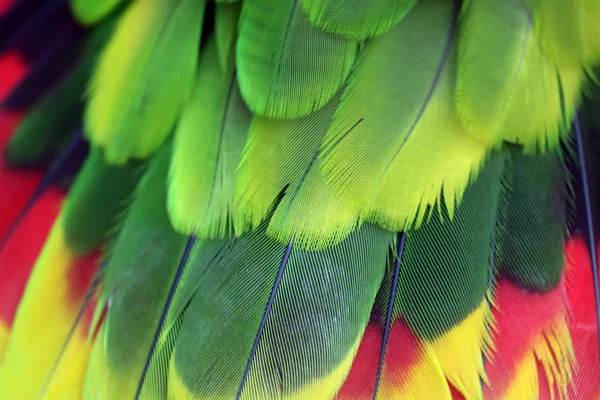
(163, 318)
(23, 19)
(48, 179)
(52, 65)
(263, 322)
(388, 319)
(591, 236)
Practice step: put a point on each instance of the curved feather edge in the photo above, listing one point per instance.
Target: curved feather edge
(357, 19)
(393, 167)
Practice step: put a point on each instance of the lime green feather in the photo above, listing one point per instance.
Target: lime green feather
(544, 102)
(226, 30)
(212, 353)
(590, 30)
(287, 67)
(507, 87)
(98, 198)
(144, 77)
(89, 12)
(494, 36)
(558, 28)
(141, 267)
(281, 157)
(532, 221)
(395, 145)
(359, 19)
(207, 149)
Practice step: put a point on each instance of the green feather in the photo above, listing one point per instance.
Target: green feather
(532, 220)
(97, 199)
(144, 77)
(445, 267)
(359, 19)
(89, 12)
(392, 155)
(507, 88)
(212, 352)
(207, 149)
(281, 157)
(494, 36)
(287, 67)
(141, 266)
(558, 27)
(226, 31)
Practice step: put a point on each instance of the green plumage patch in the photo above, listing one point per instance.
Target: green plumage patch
(212, 352)
(98, 198)
(531, 224)
(287, 67)
(140, 270)
(445, 268)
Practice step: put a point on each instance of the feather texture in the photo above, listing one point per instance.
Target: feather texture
(287, 67)
(208, 147)
(144, 77)
(269, 344)
(89, 12)
(390, 155)
(282, 157)
(118, 359)
(358, 19)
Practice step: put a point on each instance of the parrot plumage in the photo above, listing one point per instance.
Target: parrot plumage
(299, 199)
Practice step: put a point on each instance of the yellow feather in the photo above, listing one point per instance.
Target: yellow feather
(439, 158)
(424, 380)
(325, 388)
(525, 384)
(41, 326)
(460, 351)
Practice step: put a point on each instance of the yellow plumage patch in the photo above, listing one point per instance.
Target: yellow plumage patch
(4, 335)
(525, 384)
(460, 350)
(41, 326)
(324, 388)
(423, 380)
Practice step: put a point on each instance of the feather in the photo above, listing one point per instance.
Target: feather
(358, 19)
(275, 297)
(590, 31)
(589, 215)
(97, 199)
(48, 69)
(281, 157)
(435, 331)
(208, 146)
(133, 306)
(287, 67)
(58, 113)
(532, 220)
(141, 84)
(493, 38)
(49, 178)
(226, 31)
(51, 300)
(89, 12)
(18, 257)
(507, 89)
(557, 26)
(388, 154)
